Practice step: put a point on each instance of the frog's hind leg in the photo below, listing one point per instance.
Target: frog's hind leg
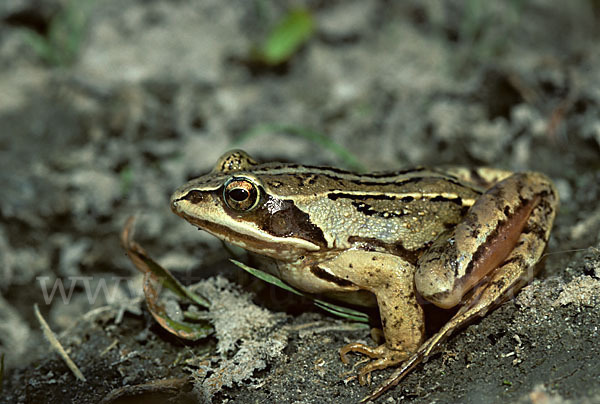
(517, 268)
(514, 272)
(518, 210)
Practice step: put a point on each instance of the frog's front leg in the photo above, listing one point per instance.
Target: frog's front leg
(391, 280)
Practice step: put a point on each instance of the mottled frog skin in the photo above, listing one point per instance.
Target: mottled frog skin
(453, 237)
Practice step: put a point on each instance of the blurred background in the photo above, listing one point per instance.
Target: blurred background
(107, 106)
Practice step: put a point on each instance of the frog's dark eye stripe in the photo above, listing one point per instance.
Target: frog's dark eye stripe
(194, 196)
(241, 194)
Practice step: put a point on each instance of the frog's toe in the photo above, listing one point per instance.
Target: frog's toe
(364, 374)
(382, 356)
(371, 352)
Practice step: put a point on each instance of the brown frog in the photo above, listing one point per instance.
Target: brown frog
(453, 237)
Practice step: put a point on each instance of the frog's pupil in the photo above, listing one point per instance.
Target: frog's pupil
(239, 194)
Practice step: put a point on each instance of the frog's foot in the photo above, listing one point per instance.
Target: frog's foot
(383, 357)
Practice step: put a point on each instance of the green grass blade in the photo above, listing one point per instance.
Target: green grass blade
(192, 331)
(287, 37)
(334, 309)
(273, 280)
(341, 311)
(173, 284)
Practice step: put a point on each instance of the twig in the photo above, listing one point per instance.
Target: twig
(55, 343)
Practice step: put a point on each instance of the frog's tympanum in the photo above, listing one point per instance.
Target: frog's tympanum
(400, 240)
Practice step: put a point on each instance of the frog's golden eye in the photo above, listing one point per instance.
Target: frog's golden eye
(241, 194)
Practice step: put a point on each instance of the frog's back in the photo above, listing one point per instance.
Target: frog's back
(403, 210)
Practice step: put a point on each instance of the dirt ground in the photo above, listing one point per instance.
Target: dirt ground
(112, 105)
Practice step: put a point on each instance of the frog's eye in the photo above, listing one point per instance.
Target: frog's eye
(240, 194)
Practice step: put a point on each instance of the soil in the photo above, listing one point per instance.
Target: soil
(107, 106)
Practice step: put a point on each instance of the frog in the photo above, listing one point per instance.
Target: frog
(463, 239)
